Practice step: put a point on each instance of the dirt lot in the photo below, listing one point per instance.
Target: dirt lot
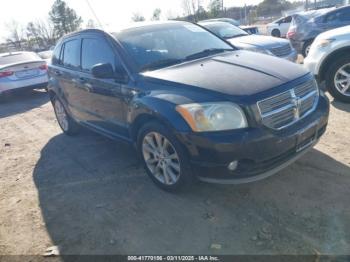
(88, 195)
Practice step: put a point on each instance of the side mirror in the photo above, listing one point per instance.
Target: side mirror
(103, 71)
(107, 71)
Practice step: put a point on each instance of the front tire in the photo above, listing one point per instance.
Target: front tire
(338, 79)
(65, 121)
(163, 157)
(276, 33)
(306, 48)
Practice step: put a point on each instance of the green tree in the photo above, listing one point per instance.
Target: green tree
(156, 14)
(64, 18)
(272, 7)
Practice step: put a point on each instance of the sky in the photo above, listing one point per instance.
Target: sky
(111, 13)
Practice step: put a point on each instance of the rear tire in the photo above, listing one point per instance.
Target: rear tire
(306, 48)
(164, 158)
(65, 121)
(332, 75)
(276, 33)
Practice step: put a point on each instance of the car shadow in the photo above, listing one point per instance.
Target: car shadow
(19, 102)
(341, 106)
(96, 199)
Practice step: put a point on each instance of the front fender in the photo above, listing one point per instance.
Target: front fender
(157, 107)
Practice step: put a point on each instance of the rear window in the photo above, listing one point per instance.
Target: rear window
(17, 58)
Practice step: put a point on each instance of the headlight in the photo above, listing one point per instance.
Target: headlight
(213, 116)
(260, 50)
(323, 42)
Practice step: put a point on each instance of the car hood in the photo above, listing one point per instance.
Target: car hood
(258, 41)
(238, 73)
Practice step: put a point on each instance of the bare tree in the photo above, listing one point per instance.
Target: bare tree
(156, 14)
(16, 34)
(137, 17)
(91, 24)
(191, 8)
(41, 33)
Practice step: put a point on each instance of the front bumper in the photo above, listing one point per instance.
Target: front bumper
(260, 152)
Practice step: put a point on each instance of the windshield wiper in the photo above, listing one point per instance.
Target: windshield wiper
(161, 63)
(207, 52)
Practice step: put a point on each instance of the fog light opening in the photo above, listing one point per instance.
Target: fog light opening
(232, 166)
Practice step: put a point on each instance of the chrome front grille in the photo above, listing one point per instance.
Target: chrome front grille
(285, 109)
(281, 50)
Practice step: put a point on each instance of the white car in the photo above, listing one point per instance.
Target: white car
(279, 27)
(329, 61)
(19, 70)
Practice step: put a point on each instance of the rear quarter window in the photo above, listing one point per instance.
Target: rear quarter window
(56, 59)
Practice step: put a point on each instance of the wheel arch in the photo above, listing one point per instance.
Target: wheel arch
(153, 109)
(330, 59)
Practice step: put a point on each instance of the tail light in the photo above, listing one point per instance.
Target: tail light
(290, 34)
(6, 73)
(43, 67)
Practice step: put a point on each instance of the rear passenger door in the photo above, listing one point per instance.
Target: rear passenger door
(105, 97)
(68, 74)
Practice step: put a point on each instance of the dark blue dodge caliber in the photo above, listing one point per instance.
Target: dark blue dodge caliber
(191, 104)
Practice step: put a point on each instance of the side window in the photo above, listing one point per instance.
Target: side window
(95, 51)
(71, 54)
(56, 55)
(288, 19)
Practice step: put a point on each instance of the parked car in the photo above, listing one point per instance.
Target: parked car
(329, 61)
(250, 29)
(190, 103)
(46, 55)
(307, 26)
(256, 43)
(279, 27)
(22, 70)
(223, 19)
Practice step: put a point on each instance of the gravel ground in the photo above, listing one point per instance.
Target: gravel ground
(89, 195)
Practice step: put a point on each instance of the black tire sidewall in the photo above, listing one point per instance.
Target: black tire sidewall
(330, 74)
(276, 33)
(72, 125)
(306, 45)
(186, 177)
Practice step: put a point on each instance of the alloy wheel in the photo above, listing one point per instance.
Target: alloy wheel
(61, 115)
(161, 158)
(342, 80)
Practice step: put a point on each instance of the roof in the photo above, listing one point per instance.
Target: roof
(145, 24)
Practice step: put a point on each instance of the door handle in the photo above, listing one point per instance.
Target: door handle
(57, 73)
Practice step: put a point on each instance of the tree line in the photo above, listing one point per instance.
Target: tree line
(41, 34)
(44, 33)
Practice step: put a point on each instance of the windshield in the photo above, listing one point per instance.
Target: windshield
(17, 58)
(157, 46)
(225, 30)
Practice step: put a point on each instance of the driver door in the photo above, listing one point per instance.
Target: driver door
(104, 95)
